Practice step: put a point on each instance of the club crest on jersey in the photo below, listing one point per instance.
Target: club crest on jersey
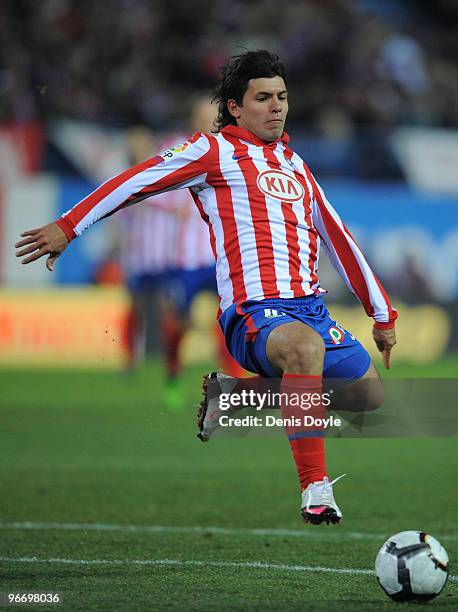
(280, 185)
(337, 334)
(174, 150)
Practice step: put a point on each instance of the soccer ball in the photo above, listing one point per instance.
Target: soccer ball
(412, 565)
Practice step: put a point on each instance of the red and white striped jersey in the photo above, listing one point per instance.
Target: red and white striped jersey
(191, 238)
(165, 233)
(144, 237)
(266, 213)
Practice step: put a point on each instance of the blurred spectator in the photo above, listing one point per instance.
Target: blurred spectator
(138, 61)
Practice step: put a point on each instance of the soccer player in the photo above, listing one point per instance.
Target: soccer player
(167, 259)
(267, 216)
(144, 250)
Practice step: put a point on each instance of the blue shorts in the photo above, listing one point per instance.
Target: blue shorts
(182, 286)
(145, 283)
(246, 328)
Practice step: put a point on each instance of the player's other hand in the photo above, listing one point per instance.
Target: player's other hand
(385, 339)
(47, 240)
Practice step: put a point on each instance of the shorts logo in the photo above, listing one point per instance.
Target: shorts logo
(337, 334)
(271, 313)
(174, 150)
(280, 185)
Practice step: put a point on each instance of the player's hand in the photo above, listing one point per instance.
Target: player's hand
(47, 240)
(385, 339)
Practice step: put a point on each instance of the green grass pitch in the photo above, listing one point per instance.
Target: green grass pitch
(110, 499)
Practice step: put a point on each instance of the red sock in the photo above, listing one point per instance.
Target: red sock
(307, 442)
(172, 333)
(130, 337)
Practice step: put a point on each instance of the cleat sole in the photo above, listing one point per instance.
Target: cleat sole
(202, 410)
(328, 516)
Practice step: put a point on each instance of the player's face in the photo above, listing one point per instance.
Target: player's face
(264, 108)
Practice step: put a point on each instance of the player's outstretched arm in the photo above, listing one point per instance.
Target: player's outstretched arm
(178, 168)
(385, 339)
(47, 240)
(350, 263)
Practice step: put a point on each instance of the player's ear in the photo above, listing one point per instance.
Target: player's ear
(233, 109)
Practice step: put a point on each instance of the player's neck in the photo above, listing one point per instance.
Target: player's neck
(244, 134)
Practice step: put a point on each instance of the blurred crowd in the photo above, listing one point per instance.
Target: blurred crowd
(351, 63)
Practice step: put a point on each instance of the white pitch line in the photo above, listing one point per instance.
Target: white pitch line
(168, 562)
(308, 533)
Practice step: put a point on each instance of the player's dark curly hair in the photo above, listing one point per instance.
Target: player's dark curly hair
(235, 76)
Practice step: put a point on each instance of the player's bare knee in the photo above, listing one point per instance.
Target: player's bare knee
(304, 357)
(295, 348)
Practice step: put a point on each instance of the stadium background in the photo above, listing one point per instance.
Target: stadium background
(373, 89)
(372, 111)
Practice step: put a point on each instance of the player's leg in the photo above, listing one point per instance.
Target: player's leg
(225, 360)
(297, 351)
(141, 319)
(174, 324)
(362, 395)
(295, 348)
(204, 280)
(134, 332)
(173, 329)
